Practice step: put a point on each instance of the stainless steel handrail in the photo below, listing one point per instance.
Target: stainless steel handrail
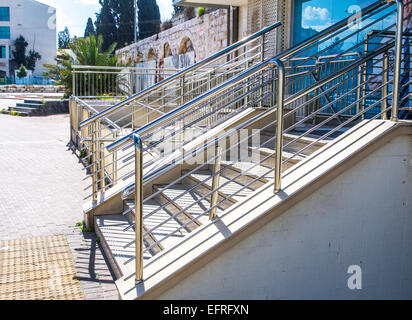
(280, 103)
(180, 110)
(279, 144)
(84, 68)
(398, 60)
(180, 74)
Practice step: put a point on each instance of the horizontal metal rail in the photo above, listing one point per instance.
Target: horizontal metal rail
(181, 73)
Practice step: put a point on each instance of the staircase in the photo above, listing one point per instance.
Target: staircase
(173, 212)
(206, 171)
(27, 107)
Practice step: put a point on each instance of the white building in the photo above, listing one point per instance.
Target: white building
(36, 22)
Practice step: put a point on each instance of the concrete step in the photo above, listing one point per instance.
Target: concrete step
(182, 199)
(269, 141)
(117, 238)
(28, 105)
(202, 182)
(183, 217)
(161, 225)
(31, 101)
(230, 188)
(27, 110)
(150, 240)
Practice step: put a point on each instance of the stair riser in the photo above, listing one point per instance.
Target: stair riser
(173, 208)
(204, 189)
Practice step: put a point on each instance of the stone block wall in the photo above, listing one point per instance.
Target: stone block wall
(14, 88)
(207, 34)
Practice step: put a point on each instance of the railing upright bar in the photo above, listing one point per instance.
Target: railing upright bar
(215, 183)
(385, 80)
(139, 207)
(279, 125)
(398, 59)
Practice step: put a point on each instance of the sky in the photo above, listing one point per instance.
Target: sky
(74, 13)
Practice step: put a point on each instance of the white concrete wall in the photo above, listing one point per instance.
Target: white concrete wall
(362, 217)
(36, 23)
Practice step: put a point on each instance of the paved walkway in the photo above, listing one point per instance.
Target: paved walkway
(42, 191)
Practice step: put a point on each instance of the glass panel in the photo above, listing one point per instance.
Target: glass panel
(313, 16)
(4, 14)
(3, 52)
(4, 32)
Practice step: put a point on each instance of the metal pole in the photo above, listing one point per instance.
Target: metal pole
(215, 183)
(364, 77)
(398, 60)
(139, 206)
(182, 90)
(71, 107)
(385, 79)
(74, 83)
(94, 162)
(262, 58)
(135, 20)
(359, 91)
(279, 125)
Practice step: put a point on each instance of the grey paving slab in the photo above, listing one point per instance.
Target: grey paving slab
(42, 191)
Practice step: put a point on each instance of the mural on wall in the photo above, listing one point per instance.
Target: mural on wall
(179, 61)
(176, 48)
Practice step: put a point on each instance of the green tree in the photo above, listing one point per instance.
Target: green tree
(61, 71)
(20, 57)
(126, 24)
(22, 72)
(148, 17)
(106, 23)
(89, 28)
(88, 51)
(64, 39)
(115, 22)
(31, 60)
(19, 52)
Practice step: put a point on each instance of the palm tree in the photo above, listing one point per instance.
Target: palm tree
(87, 51)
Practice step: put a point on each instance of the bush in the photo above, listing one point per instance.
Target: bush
(22, 72)
(200, 12)
(82, 226)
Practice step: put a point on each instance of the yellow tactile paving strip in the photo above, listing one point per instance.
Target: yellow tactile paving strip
(40, 268)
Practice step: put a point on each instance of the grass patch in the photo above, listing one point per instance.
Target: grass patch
(82, 226)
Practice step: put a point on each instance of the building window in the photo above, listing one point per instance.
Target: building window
(313, 16)
(4, 32)
(4, 14)
(3, 52)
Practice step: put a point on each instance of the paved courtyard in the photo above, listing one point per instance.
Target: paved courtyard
(41, 193)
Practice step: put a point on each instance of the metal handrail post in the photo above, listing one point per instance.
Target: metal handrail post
(398, 59)
(71, 118)
(139, 206)
(94, 145)
(279, 124)
(385, 80)
(215, 183)
(182, 90)
(74, 83)
(262, 58)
